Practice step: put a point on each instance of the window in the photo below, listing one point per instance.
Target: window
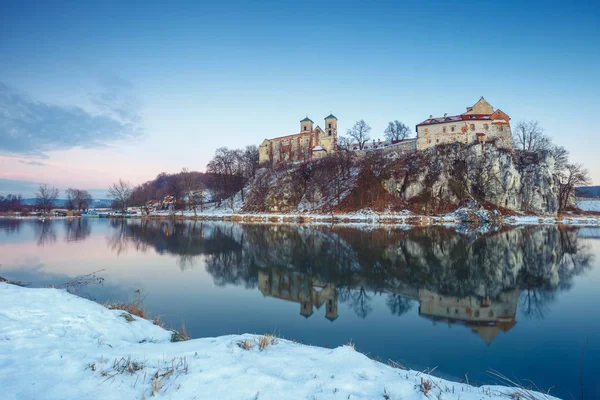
(330, 132)
(501, 128)
(486, 127)
(444, 129)
(437, 140)
(452, 129)
(304, 128)
(330, 125)
(472, 127)
(426, 131)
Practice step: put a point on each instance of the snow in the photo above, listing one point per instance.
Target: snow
(589, 204)
(54, 345)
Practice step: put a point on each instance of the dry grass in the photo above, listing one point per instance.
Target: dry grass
(266, 341)
(246, 344)
(351, 345)
(425, 386)
(158, 321)
(519, 390)
(127, 317)
(181, 335)
(136, 307)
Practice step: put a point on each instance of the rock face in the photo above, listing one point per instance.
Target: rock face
(437, 180)
(455, 173)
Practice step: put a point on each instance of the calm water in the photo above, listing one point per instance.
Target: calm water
(520, 301)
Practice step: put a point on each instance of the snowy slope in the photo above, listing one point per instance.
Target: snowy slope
(589, 204)
(57, 346)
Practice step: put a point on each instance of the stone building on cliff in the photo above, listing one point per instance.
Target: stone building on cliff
(479, 124)
(311, 142)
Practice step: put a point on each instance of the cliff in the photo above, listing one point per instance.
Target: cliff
(436, 180)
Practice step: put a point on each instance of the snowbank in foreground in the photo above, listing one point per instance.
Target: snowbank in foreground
(54, 345)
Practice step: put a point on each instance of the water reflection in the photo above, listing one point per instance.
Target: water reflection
(475, 280)
(44, 230)
(77, 229)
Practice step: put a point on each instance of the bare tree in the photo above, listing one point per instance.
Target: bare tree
(193, 190)
(120, 192)
(360, 133)
(529, 136)
(396, 130)
(78, 199)
(142, 195)
(572, 176)
(250, 158)
(46, 197)
(70, 203)
(11, 202)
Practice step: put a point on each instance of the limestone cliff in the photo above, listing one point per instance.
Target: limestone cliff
(439, 179)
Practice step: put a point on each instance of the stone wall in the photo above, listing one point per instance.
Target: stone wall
(465, 132)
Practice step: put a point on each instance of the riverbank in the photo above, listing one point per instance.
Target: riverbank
(54, 345)
(406, 218)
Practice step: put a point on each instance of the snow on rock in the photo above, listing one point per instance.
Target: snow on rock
(54, 345)
(588, 204)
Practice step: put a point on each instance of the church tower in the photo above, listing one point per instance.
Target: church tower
(331, 125)
(329, 135)
(306, 125)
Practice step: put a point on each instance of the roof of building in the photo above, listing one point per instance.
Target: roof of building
(331, 116)
(482, 110)
(306, 119)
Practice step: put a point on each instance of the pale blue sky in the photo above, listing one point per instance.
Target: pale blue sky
(111, 90)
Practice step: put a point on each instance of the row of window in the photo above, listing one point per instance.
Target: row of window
(471, 127)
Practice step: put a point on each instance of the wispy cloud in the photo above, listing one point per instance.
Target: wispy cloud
(37, 163)
(28, 126)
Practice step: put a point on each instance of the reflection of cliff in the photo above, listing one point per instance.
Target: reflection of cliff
(303, 263)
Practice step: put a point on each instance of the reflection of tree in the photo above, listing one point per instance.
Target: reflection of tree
(45, 232)
(536, 260)
(534, 302)
(77, 229)
(398, 304)
(10, 226)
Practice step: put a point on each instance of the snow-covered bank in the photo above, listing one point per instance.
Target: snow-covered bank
(54, 345)
(589, 204)
(372, 217)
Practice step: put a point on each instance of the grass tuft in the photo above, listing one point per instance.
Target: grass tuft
(246, 344)
(136, 307)
(425, 386)
(181, 335)
(127, 317)
(266, 341)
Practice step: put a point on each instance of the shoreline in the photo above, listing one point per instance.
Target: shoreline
(57, 345)
(361, 217)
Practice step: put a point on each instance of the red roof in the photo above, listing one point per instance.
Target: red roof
(497, 115)
(455, 118)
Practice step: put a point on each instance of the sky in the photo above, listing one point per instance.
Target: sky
(91, 92)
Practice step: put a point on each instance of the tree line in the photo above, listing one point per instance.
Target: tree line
(46, 199)
(226, 174)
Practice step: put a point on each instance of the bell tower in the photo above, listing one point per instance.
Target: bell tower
(306, 125)
(331, 125)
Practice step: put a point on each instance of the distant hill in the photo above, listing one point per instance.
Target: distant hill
(62, 202)
(587, 191)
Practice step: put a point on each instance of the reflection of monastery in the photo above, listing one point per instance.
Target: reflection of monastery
(299, 288)
(485, 317)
